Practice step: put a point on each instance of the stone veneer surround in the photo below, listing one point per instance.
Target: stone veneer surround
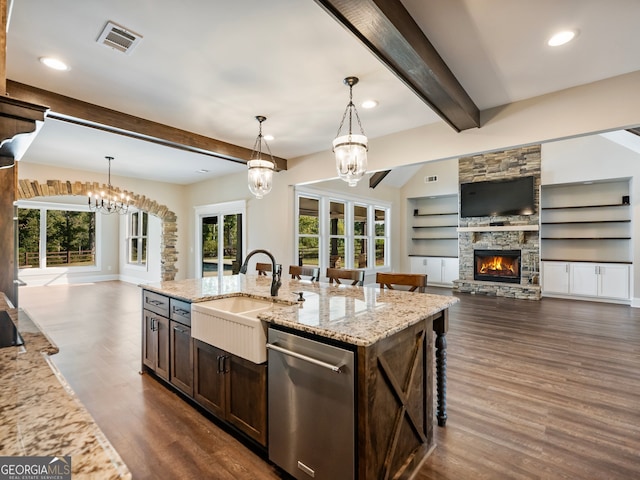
(519, 162)
(168, 254)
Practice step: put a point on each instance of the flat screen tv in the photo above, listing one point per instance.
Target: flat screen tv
(515, 196)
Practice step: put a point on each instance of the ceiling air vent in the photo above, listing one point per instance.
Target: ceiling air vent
(430, 179)
(119, 38)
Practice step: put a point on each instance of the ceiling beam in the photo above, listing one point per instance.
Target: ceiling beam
(377, 177)
(87, 114)
(387, 29)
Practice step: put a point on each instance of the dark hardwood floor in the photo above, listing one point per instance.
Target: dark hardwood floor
(536, 390)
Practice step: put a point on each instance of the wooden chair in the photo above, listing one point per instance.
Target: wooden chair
(416, 281)
(263, 268)
(337, 274)
(297, 272)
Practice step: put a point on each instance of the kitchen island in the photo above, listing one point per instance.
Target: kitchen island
(391, 333)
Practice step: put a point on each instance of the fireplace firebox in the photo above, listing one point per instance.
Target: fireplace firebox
(497, 265)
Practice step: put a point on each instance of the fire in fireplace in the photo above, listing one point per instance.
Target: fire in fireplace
(497, 265)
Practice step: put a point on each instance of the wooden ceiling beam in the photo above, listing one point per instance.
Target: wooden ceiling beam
(377, 177)
(87, 114)
(387, 29)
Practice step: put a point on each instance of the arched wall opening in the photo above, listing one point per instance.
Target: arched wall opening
(28, 189)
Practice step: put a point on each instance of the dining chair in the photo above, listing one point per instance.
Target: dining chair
(297, 272)
(263, 268)
(415, 281)
(337, 274)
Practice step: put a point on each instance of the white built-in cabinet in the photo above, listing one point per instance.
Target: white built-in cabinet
(586, 240)
(440, 271)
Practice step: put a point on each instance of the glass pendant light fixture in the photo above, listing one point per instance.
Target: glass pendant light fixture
(350, 149)
(110, 201)
(260, 170)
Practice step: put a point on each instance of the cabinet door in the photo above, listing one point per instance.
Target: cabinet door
(162, 329)
(181, 358)
(555, 277)
(246, 397)
(450, 270)
(417, 265)
(584, 279)
(613, 281)
(155, 344)
(208, 368)
(433, 270)
(149, 340)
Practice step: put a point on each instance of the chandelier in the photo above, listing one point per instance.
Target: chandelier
(350, 149)
(110, 201)
(260, 170)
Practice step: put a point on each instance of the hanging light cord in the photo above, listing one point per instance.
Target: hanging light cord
(351, 108)
(257, 146)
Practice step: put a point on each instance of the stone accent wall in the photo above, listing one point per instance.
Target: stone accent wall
(519, 162)
(168, 254)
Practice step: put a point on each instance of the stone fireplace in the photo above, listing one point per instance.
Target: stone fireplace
(500, 255)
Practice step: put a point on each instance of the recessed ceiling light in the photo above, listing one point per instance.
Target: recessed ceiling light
(202, 170)
(54, 63)
(369, 104)
(561, 38)
(268, 138)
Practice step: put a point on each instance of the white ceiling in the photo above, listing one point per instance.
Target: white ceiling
(211, 66)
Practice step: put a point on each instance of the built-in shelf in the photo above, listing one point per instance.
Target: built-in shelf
(587, 206)
(436, 226)
(434, 214)
(586, 238)
(585, 221)
(433, 221)
(500, 228)
(583, 261)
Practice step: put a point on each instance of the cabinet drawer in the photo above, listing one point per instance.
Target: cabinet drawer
(180, 311)
(156, 303)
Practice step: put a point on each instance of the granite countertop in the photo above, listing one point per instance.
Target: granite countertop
(355, 315)
(39, 413)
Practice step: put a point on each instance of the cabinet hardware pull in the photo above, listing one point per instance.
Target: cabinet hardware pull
(315, 361)
(219, 369)
(153, 324)
(157, 303)
(225, 364)
(178, 329)
(180, 311)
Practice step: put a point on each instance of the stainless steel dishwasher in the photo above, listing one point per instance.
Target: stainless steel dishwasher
(311, 407)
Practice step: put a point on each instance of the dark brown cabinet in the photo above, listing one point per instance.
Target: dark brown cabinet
(232, 388)
(181, 350)
(155, 343)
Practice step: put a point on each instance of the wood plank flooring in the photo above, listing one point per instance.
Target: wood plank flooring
(536, 390)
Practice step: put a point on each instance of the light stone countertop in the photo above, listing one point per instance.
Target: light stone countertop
(355, 315)
(39, 413)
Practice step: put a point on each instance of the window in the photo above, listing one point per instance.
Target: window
(66, 235)
(137, 238)
(308, 231)
(341, 232)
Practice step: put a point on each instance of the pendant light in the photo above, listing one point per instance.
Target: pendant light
(110, 201)
(260, 170)
(350, 149)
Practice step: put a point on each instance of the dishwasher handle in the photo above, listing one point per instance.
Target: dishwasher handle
(315, 361)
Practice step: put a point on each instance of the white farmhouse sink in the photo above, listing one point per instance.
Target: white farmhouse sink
(231, 324)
